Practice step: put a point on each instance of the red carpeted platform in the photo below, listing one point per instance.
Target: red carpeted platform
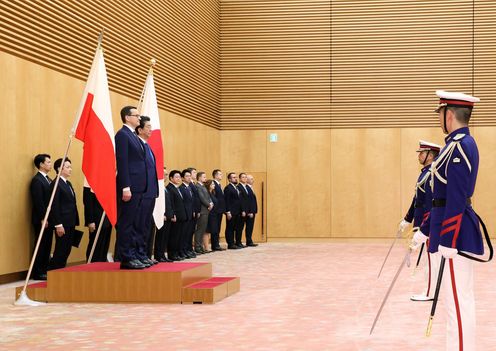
(106, 282)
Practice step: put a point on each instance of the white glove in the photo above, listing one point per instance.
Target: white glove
(447, 252)
(403, 225)
(418, 239)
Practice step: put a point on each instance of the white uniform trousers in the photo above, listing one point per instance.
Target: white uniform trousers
(458, 293)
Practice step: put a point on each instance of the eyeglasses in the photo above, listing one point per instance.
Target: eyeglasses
(137, 116)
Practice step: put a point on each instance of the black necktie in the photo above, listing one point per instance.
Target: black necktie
(48, 179)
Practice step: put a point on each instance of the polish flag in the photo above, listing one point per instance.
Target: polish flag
(94, 127)
(149, 108)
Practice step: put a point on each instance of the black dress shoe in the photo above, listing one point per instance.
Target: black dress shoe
(252, 244)
(232, 247)
(190, 254)
(241, 246)
(164, 259)
(145, 262)
(199, 251)
(134, 264)
(40, 277)
(218, 248)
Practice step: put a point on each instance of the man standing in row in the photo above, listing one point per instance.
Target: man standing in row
(233, 213)
(144, 131)
(219, 209)
(252, 211)
(131, 184)
(64, 215)
(40, 196)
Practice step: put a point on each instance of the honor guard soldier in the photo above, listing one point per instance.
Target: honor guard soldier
(420, 209)
(454, 225)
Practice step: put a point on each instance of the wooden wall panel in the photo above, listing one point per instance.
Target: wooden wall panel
(243, 150)
(389, 56)
(275, 64)
(182, 35)
(365, 186)
(40, 105)
(299, 184)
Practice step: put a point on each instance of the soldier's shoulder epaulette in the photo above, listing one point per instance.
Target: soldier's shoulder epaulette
(459, 136)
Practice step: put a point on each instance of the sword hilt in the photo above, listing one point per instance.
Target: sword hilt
(429, 327)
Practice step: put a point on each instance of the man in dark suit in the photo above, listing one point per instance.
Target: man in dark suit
(252, 211)
(219, 209)
(163, 234)
(233, 213)
(187, 193)
(196, 200)
(131, 184)
(179, 217)
(93, 212)
(245, 207)
(40, 195)
(63, 215)
(144, 131)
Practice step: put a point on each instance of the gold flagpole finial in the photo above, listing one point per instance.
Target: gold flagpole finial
(152, 62)
(100, 37)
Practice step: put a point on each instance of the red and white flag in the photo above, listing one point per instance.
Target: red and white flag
(149, 108)
(94, 127)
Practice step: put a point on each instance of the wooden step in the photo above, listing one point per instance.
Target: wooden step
(35, 291)
(210, 290)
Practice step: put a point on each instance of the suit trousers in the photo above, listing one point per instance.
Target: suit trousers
(214, 235)
(127, 228)
(250, 222)
(42, 260)
(161, 240)
(238, 230)
(232, 229)
(201, 227)
(102, 245)
(176, 233)
(144, 226)
(458, 292)
(187, 237)
(63, 246)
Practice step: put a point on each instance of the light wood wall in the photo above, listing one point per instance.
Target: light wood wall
(38, 106)
(182, 35)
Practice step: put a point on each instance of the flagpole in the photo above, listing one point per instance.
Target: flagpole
(96, 237)
(23, 299)
(152, 63)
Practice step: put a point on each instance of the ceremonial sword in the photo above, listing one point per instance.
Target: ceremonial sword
(406, 260)
(398, 235)
(418, 259)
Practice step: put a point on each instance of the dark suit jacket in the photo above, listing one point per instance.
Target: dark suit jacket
(188, 200)
(243, 199)
(177, 203)
(221, 201)
(196, 198)
(92, 209)
(253, 207)
(233, 202)
(151, 172)
(40, 195)
(130, 158)
(169, 210)
(64, 210)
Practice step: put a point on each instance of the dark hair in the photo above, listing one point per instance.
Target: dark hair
(207, 185)
(39, 159)
(183, 173)
(241, 174)
(199, 174)
(214, 172)
(126, 111)
(173, 173)
(58, 163)
(229, 175)
(191, 169)
(143, 120)
(462, 114)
